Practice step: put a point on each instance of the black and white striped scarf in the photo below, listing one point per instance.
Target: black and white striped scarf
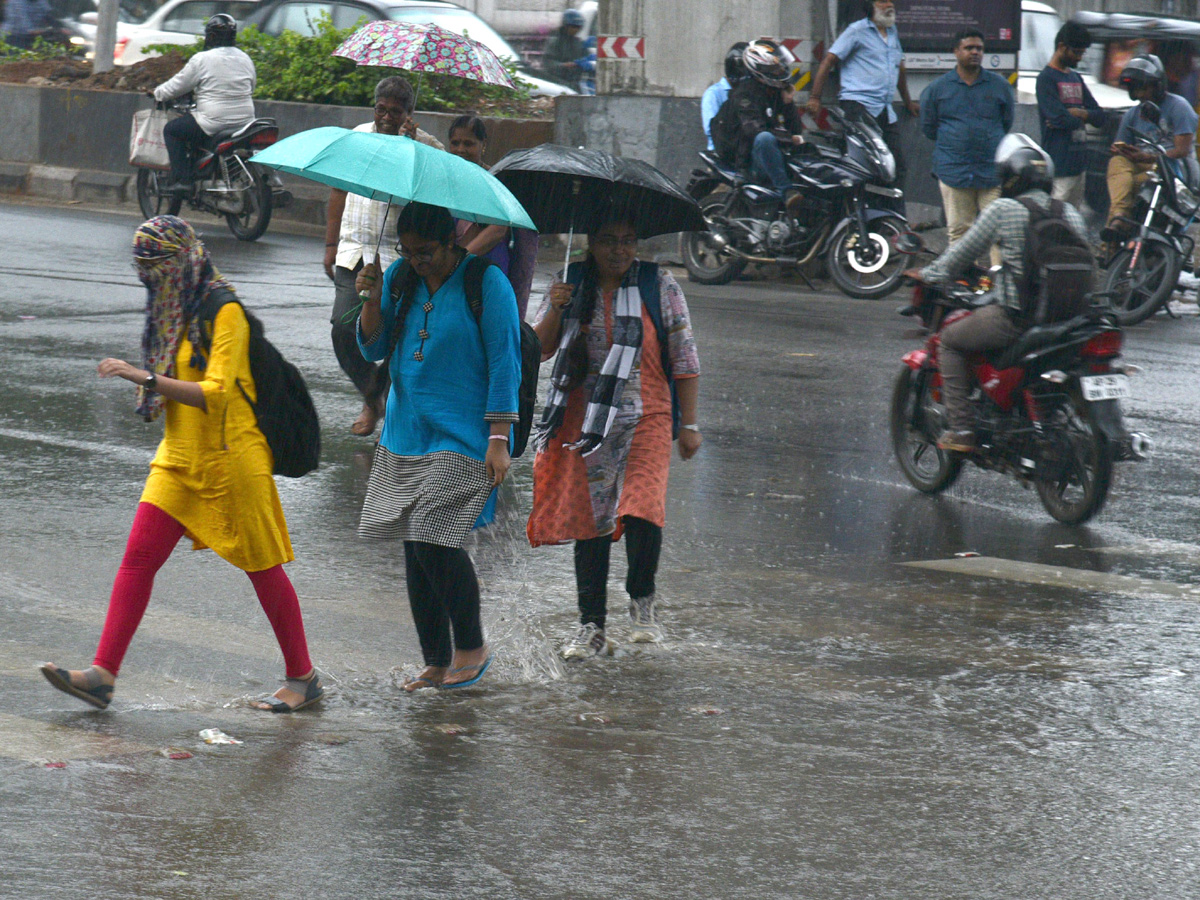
(610, 383)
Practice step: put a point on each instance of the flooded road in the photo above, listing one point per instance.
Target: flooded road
(843, 707)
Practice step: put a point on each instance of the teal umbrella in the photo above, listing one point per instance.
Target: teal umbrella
(396, 169)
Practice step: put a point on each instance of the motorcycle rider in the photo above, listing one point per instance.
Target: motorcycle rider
(716, 94)
(1025, 171)
(1146, 80)
(564, 50)
(222, 78)
(744, 130)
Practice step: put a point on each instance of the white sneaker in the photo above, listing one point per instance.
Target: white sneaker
(588, 642)
(644, 628)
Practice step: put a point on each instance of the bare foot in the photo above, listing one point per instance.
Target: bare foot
(364, 425)
(466, 665)
(431, 676)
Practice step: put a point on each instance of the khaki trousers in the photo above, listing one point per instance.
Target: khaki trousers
(963, 206)
(989, 328)
(1124, 178)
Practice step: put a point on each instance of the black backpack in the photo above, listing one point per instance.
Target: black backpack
(1060, 270)
(531, 346)
(284, 410)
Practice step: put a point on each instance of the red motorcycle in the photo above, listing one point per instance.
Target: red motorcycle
(1047, 409)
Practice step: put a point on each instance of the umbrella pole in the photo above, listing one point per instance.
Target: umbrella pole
(382, 228)
(567, 261)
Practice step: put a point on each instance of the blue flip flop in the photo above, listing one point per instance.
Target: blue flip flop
(478, 670)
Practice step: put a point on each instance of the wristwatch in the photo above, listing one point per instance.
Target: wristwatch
(150, 382)
(695, 428)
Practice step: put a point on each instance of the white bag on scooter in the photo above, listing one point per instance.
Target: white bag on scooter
(146, 145)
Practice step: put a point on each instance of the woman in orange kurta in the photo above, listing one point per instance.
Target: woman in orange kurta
(604, 447)
(211, 477)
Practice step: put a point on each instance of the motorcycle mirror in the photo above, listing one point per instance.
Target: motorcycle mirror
(908, 242)
(1151, 113)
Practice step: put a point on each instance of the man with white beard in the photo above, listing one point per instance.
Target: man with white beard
(870, 63)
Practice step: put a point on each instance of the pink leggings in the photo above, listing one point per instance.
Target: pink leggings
(151, 540)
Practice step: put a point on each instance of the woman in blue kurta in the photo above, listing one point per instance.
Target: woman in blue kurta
(444, 447)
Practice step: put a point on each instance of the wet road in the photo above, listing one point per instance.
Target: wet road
(826, 720)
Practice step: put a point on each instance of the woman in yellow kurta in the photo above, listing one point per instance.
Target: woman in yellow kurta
(211, 477)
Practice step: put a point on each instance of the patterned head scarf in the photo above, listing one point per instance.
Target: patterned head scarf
(178, 274)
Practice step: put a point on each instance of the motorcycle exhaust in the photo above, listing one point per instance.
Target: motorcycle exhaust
(1140, 445)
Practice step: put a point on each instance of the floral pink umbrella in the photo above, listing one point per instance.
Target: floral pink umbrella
(422, 48)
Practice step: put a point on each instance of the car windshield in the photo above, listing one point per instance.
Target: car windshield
(458, 20)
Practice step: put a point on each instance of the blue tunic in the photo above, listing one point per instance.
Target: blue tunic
(468, 374)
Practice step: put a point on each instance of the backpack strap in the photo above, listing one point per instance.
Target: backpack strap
(214, 299)
(476, 268)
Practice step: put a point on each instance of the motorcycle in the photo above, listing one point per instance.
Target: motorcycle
(843, 176)
(226, 182)
(1046, 409)
(1143, 273)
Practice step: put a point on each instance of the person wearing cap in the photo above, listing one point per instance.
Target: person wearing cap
(1066, 107)
(564, 50)
(870, 63)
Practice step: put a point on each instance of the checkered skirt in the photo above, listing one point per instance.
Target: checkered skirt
(435, 498)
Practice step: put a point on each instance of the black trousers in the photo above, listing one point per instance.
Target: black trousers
(443, 593)
(371, 379)
(891, 136)
(182, 136)
(643, 547)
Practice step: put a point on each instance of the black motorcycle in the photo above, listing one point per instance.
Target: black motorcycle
(1153, 240)
(226, 183)
(844, 177)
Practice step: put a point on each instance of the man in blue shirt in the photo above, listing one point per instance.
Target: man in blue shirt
(1146, 80)
(716, 94)
(871, 66)
(966, 113)
(1066, 107)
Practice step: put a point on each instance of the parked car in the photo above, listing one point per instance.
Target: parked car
(277, 16)
(175, 22)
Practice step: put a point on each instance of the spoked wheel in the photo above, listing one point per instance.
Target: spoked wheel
(706, 261)
(869, 268)
(251, 223)
(1076, 468)
(150, 198)
(917, 421)
(1139, 294)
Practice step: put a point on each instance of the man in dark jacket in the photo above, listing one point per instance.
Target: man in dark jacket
(563, 52)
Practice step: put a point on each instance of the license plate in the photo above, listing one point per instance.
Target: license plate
(1105, 387)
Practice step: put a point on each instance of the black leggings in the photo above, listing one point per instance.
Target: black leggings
(643, 546)
(444, 595)
(182, 136)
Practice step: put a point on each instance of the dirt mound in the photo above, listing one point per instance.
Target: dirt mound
(142, 76)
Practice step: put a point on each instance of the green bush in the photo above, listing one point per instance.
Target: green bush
(304, 69)
(41, 49)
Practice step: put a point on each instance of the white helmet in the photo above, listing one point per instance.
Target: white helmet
(769, 62)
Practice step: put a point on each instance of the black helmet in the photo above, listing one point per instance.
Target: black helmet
(735, 69)
(1142, 71)
(1023, 166)
(220, 31)
(769, 62)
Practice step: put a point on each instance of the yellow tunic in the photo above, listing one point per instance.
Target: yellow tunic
(212, 472)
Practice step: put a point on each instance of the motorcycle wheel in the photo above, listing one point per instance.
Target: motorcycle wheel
(706, 264)
(150, 199)
(917, 421)
(252, 222)
(1084, 463)
(868, 276)
(1139, 294)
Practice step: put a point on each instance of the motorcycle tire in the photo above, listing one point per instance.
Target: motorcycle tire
(1138, 295)
(917, 420)
(874, 277)
(1081, 461)
(150, 199)
(252, 222)
(705, 263)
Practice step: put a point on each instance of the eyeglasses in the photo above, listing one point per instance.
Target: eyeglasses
(423, 256)
(612, 242)
(398, 113)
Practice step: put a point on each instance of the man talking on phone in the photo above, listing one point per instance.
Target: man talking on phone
(1146, 80)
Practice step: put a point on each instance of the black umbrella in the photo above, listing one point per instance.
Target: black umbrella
(565, 190)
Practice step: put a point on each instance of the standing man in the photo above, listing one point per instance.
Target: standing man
(966, 113)
(356, 234)
(716, 94)
(1066, 107)
(871, 63)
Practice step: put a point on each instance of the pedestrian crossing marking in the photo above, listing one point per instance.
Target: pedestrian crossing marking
(1058, 576)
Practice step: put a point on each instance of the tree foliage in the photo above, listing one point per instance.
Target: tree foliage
(303, 69)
